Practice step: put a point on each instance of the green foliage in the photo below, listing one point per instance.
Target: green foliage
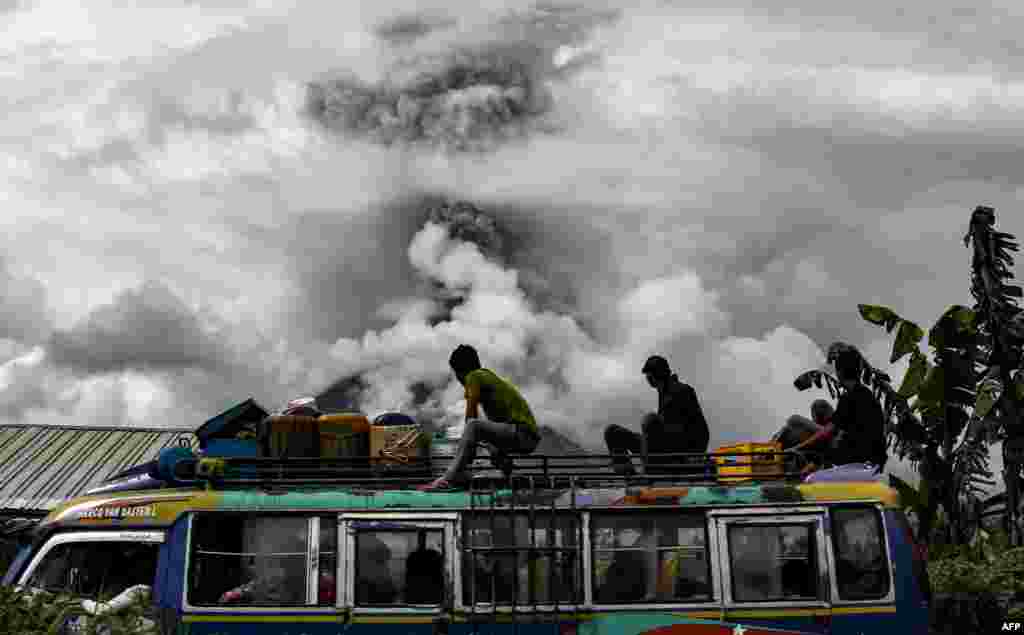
(944, 395)
(931, 389)
(989, 392)
(998, 323)
(880, 315)
(954, 329)
(915, 375)
(818, 379)
(988, 565)
(910, 497)
(906, 341)
(34, 612)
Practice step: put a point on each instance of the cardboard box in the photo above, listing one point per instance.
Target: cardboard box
(390, 444)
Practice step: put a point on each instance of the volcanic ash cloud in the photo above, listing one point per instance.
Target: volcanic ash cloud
(470, 100)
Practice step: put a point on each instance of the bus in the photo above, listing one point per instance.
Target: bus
(303, 547)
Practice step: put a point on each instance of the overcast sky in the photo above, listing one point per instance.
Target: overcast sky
(206, 201)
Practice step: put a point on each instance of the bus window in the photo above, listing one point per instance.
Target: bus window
(328, 567)
(773, 562)
(650, 557)
(95, 569)
(510, 563)
(399, 567)
(861, 569)
(248, 560)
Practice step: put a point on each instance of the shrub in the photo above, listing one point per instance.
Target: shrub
(34, 612)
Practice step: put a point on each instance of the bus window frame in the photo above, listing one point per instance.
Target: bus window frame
(446, 522)
(582, 525)
(711, 550)
(73, 536)
(890, 596)
(815, 516)
(312, 568)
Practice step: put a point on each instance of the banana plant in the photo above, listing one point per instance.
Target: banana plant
(929, 412)
(1000, 320)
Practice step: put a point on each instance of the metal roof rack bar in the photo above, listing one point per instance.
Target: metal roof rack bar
(552, 471)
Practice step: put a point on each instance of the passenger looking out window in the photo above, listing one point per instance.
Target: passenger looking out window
(374, 579)
(424, 574)
(773, 562)
(650, 558)
(248, 560)
(326, 580)
(861, 564)
(399, 567)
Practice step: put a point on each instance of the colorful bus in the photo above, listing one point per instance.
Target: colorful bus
(302, 555)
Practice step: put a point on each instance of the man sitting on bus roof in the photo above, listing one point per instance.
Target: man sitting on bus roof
(799, 429)
(509, 426)
(858, 422)
(678, 426)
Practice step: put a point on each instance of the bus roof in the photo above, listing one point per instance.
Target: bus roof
(162, 507)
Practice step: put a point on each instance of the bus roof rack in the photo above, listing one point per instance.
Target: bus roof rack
(528, 470)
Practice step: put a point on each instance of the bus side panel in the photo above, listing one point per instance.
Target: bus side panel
(170, 580)
(911, 605)
(656, 622)
(241, 624)
(872, 619)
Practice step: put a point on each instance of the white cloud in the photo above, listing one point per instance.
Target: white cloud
(662, 309)
(750, 383)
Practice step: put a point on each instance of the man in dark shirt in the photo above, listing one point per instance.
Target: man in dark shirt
(678, 426)
(859, 422)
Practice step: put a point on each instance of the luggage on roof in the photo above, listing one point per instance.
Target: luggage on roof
(342, 435)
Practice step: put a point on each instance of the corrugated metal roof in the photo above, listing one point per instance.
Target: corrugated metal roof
(40, 466)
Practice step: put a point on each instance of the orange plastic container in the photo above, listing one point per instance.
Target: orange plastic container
(734, 469)
(290, 435)
(344, 435)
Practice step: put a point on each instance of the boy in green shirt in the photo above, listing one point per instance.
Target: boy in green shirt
(509, 426)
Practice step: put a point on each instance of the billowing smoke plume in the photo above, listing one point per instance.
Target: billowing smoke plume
(405, 29)
(463, 101)
(466, 223)
(471, 297)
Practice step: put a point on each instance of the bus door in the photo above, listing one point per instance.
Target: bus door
(95, 565)
(774, 569)
(398, 569)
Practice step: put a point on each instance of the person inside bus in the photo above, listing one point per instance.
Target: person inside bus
(509, 426)
(270, 583)
(679, 425)
(796, 579)
(424, 574)
(633, 574)
(626, 579)
(858, 423)
(374, 584)
(131, 564)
